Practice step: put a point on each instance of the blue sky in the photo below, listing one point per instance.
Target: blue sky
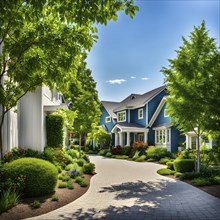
(130, 53)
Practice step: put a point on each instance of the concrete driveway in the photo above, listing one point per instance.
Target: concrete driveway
(129, 190)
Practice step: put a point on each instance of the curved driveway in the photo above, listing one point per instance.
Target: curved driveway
(129, 190)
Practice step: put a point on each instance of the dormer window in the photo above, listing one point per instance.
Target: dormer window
(140, 113)
(121, 116)
(166, 113)
(107, 119)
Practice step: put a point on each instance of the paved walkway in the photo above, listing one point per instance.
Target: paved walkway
(129, 190)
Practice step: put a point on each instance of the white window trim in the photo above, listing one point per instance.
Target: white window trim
(107, 119)
(163, 130)
(165, 115)
(139, 110)
(122, 112)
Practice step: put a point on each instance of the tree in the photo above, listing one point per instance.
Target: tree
(192, 80)
(43, 42)
(85, 102)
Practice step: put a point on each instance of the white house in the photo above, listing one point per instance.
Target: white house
(27, 127)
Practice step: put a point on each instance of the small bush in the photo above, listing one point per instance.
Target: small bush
(70, 185)
(55, 197)
(80, 162)
(164, 160)
(178, 174)
(151, 160)
(59, 169)
(62, 185)
(122, 157)
(157, 152)
(136, 155)
(75, 172)
(184, 165)
(89, 168)
(109, 154)
(201, 181)
(117, 150)
(41, 175)
(141, 158)
(66, 178)
(81, 181)
(103, 152)
(126, 150)
(170, 165)
(216, 180)
(165, 171)
(190, 176)
(36, 204)
(8, 199)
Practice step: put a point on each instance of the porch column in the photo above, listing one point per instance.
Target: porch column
(187, 141)
(128, 139)
(121, 138)
(145, 137)
(116, 139)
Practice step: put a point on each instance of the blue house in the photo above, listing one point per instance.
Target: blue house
(141, 118)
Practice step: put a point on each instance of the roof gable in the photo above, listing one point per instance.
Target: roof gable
(109, 106)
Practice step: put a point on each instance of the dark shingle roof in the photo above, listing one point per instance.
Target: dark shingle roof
(139, 100)
(110, 106)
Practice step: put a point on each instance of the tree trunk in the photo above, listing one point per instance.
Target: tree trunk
(198, 151)
(1, 131)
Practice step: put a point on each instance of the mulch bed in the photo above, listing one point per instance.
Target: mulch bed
(24, 209)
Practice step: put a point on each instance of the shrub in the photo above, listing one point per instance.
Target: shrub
(216, 180)
(136, 155)
(126, 150)
(55, 197)
(66, 178)
(123, 157)
(59, 169)
(141, 158)
(165, 171)
(157, 152)
(187, 154)
(201, 181)
(184, 165)
(62, 185)
(190, 176)
(151, 160)
(178, 174)
(81, 181)
(70, 185)
(80, 162)
(164, 160)
(69, 167)
(55, 131)
(89, 168)
(41, 175)
(73, 153)
(8, 199)
(109, 154)
(103, 152)
(36, 204)
(170, 165)
(117, 150)
(139, 146)
(75, 172)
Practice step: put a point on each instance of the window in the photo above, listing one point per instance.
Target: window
(162, 136)
(107, 119)
(121, 116)
(166, 113)
(140, 113)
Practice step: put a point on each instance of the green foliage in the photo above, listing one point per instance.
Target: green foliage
(42, 182)
(80, 162)
(62, 184)
(170, 165)
(36, 204)
(189, 176)
(123, 157)
(8, 199)
(141, 158)
(73, 153)
(70, 185)
(151, 160)
(89, 168)
(164, 160)
(109, 154)
(103, 152)
(165, 171)
(136, 155)
(178, 174)
(55, 197)
(184, 165)
(126, 150)
(55, 130)
(187, 154)
(192, 80)
(81, 181)
(157, 152)
(201, 181)
(216, 180)
(69, 167)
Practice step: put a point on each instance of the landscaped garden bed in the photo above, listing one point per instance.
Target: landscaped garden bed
(34, 183)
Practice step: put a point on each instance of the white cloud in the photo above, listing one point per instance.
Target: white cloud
(133, 77)
(144, 78)
(116, 81)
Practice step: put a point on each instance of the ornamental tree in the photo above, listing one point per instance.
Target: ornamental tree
(193, 80)
(43, 42)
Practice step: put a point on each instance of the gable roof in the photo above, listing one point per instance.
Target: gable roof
(110, 106)
(137, 101)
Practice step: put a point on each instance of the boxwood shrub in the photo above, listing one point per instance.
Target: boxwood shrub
(184, 165)
(170, 165)
(41, 175)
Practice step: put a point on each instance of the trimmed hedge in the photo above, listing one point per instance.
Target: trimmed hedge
(170, 165)
(165, 171)
(41, 175)
(184, 165)
(55, 131)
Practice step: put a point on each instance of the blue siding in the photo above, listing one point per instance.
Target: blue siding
(134, 116)
(151, 137)
(105, 114)
(160, 118)
(153, 104)
(176, 138)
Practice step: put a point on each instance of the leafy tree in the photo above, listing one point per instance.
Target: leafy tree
(85, 102)
(193, 84)
(44, 41)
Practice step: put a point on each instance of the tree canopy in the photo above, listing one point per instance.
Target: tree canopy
(44, 41)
